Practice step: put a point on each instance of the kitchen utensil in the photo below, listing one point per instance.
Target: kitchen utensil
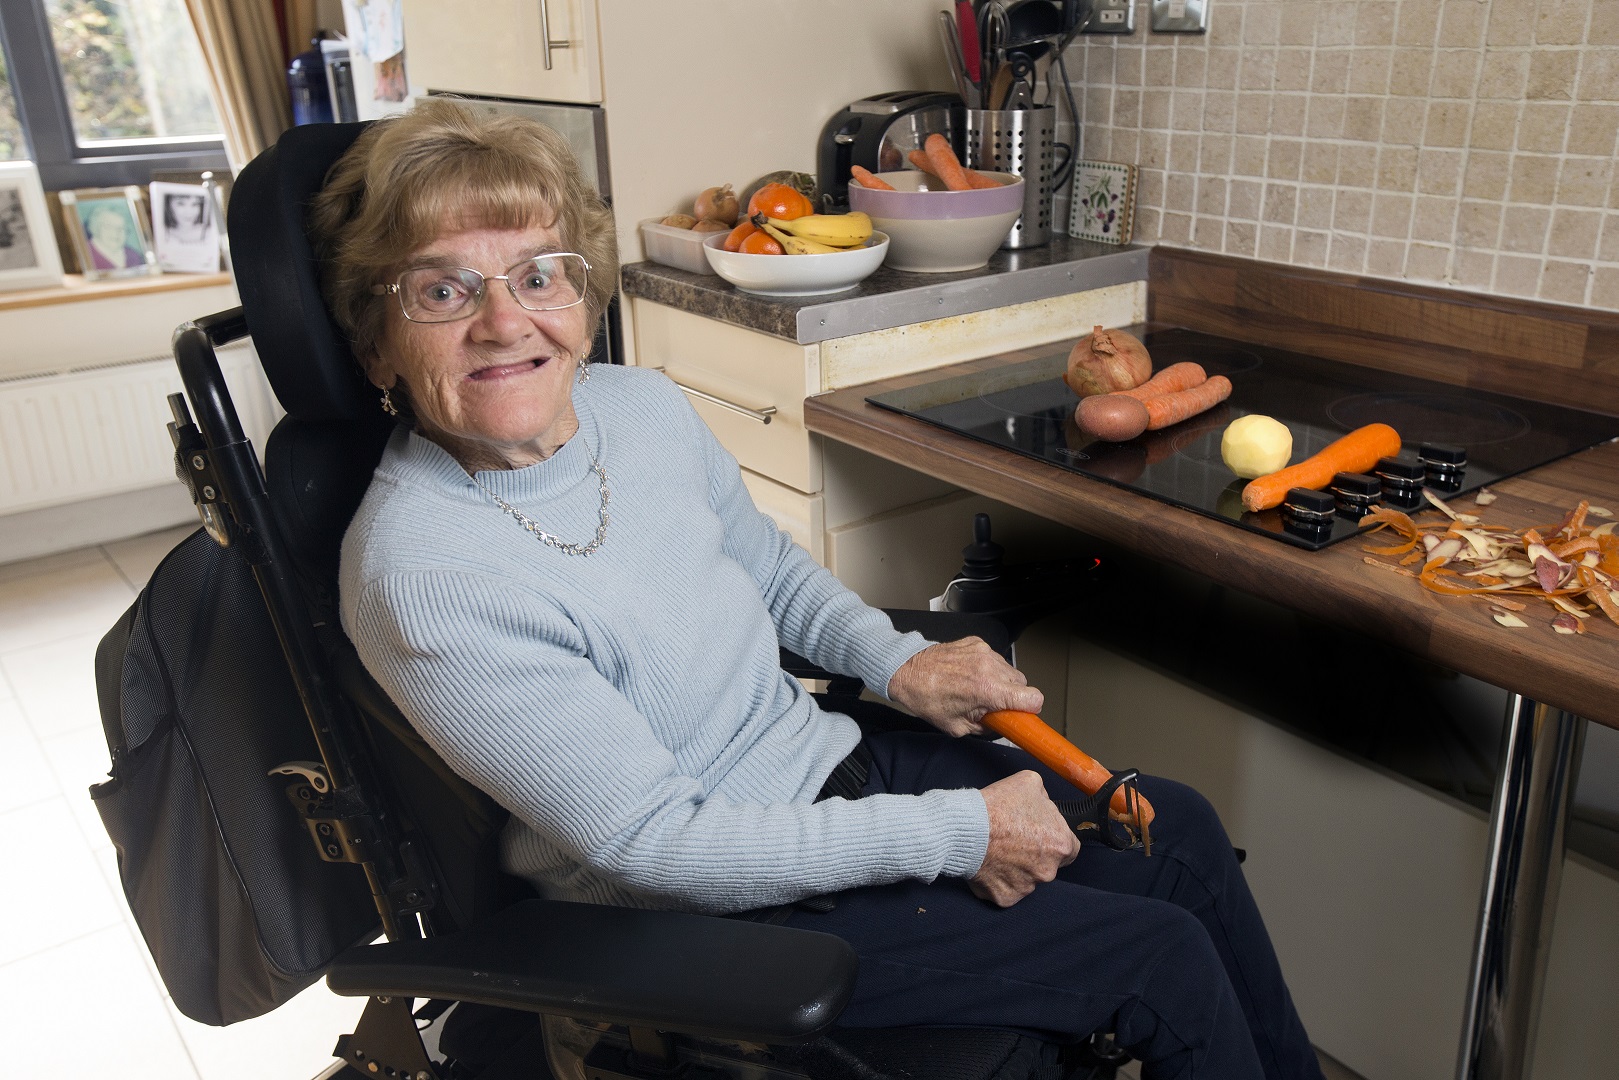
(1033, 20)
(1000, 87)
(1021, 95)
(992, 37)
(1017, 141)
(939, 231)
(796, 275)
(967, 42)
(953, 58)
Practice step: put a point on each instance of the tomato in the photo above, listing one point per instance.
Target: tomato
(760, 242)
(780, 201)
(743, 230)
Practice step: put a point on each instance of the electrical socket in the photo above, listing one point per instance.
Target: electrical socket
(1180, 16)
(1112, 17)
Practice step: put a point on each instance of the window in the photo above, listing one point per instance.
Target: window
(102, 92)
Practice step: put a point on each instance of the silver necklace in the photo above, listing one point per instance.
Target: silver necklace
(548, 539)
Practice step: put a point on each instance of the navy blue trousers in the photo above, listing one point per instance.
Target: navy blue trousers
(1168, 952)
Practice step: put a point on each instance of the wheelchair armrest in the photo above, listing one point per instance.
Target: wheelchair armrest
(934, 625)
(692, 974)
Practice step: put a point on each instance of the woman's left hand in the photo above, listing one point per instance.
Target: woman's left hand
(953, 684)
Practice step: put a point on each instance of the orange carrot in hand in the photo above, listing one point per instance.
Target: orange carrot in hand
(946, 166)
(1063, 757)
(1166, 409)
(1356, 452)
(1172, 380)
(866, 179)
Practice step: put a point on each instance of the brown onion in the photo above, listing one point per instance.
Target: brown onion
(718, 204)
(1105, 361)
(710, 225)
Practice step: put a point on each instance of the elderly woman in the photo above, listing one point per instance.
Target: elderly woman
(559, 577)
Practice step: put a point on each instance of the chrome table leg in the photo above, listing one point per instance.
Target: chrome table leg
(1539, 758)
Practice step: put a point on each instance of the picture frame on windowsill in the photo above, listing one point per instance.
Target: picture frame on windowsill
(110, 232)
(185, 228)
(28, 255)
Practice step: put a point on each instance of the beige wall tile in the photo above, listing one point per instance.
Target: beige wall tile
(1321, 162)
(1385, 258)
(1244, 199)
(1403, 121)
(1219, 111)
(1543, 127)
(1248, 156)
(1357, 167)
(1329, 74)
(1396, 168)
(1374, 23)
(1391, 216)
(1605, 287)
(1434, 219)
(1281, 203)
(1315, 208)
(1180, 193)
(1473, 269)
(1284, 160)
(1154, 149)
(1258, 70)
(1523, 228)
(1565, 282)
(1186, 110)
(1585, 180)
(1241, 238)
(1224, 31)
(1574, 234)
(1369, 71)
(1413, 73)
(1448, 123)
(1512, 22)
(1552, 74)
(1439, 172)
(1495, 126)
(1155, 109)
(1486, 175)
(1455, 73)
(1599, 75)
(1287, 114)
(1191, 67)
(1363, 118)
(1347, 253)
(1261, 23)
(1126, 145)
(1214, 155)
(1562, 22)
(1208, 233)
(1326, 117)
(1352, 211)
(1127, 66)
(1298, 23)
(1461, 24)
(1275, 243)
(1608, 248)
(1183, 154)
(1211, 195)
(1418, 23)
(1293, 69)
(1505, 74)
(1223, 65)
(1534, 179)
(1148, 224)
(1126, 108)
(1176, 229)
(1591, 128)
(1159, 69)
(1335, 25)
(1478, 225)
(1427, 262)
(1517, 275)
(1253, 112)
(1604, 28)
(1310, 249)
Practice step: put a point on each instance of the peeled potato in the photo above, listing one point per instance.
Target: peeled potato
(1255, 446)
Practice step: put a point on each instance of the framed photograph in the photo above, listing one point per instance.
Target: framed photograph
(108, 227)
(28, 255)
(185, 228)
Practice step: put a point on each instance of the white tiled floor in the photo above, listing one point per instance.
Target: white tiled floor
(78, 991)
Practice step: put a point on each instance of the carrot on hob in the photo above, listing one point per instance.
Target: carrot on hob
(867, 179)
(1166, 409)
(1356, 452)
(1172, 380)
(1063, 757)
(946, 166)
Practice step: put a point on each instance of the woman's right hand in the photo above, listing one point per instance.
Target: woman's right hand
(1028, 840)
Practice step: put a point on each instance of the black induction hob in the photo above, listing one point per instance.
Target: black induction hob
(1025, 406)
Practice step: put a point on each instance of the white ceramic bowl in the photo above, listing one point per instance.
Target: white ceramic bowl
(935, 232)
(796, 275)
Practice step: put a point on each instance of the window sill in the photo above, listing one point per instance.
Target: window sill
(75, 288)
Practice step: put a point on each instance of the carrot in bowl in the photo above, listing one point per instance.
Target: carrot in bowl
(945, 164)
(867, 179)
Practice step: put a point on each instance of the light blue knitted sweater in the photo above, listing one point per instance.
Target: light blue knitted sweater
(629, 707)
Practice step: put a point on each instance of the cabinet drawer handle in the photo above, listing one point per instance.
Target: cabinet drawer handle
(545, 34)
(762, 415)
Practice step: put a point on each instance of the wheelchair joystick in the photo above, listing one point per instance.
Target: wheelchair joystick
(1018, 596)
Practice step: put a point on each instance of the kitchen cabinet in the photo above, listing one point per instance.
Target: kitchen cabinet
(547, 50)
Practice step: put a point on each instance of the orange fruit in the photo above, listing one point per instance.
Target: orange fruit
(780, 201)
(760, 242)
(743, 230)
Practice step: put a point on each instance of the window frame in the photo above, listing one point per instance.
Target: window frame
(47, 124)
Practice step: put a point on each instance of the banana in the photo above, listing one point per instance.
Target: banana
(835, 230)
(797, 245)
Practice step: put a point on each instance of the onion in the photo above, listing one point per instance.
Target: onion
(718, 204)
(710, 225)
(1105, 361)
(679, 221)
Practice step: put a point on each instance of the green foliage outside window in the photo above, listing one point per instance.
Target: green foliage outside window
(12, 146)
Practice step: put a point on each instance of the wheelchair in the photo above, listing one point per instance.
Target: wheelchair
(511, 985)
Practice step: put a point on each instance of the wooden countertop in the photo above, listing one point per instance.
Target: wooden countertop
(1578, 673)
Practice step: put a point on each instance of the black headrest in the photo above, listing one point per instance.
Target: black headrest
(305, 356)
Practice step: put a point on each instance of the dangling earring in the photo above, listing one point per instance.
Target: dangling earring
(388, 402)
(584, 369)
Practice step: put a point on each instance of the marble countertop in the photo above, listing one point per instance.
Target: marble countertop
(890, 298)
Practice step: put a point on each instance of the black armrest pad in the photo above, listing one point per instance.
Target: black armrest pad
(723, 978)
(934, 625)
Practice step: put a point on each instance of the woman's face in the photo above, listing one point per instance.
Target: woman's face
(187, 209)
(494, 388)
(107, 229)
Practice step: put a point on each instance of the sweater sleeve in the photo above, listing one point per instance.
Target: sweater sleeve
(815, 614)
(496, 678)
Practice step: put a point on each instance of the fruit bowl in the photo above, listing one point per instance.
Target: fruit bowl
(796, 275)
(937, 232)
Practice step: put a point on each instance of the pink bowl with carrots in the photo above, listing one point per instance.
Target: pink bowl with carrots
(940, 231)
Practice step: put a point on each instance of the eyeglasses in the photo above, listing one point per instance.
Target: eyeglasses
(435, 294)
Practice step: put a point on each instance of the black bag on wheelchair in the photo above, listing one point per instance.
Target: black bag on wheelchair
(198, 707)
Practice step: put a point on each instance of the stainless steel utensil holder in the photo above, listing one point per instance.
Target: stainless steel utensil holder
(1017, 141)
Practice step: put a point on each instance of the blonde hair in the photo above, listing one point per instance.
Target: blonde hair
(441, 167)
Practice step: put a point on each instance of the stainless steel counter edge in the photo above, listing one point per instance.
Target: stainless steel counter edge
(864, 314)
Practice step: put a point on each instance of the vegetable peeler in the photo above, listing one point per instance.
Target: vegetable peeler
(1089, 816)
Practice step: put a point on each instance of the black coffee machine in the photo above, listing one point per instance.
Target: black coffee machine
(877, 133)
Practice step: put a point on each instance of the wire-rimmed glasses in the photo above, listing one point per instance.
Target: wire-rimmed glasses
(435, 294)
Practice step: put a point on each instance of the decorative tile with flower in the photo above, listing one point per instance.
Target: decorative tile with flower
(1103, 202)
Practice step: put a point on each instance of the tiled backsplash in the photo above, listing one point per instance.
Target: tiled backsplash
(1460, 142)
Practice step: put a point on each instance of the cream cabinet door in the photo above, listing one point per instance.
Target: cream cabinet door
(498, 48)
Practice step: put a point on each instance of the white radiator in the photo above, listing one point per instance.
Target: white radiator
(75, 436)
